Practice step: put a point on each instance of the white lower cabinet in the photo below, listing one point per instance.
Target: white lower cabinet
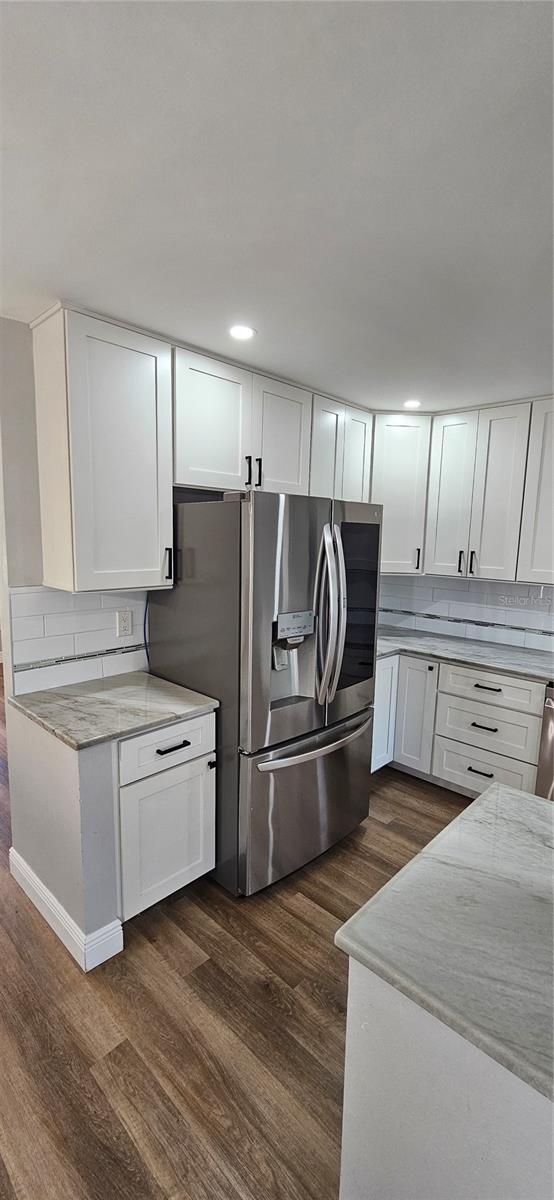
(384, 717)
(167, 830)
(415, 713)
(471, 768)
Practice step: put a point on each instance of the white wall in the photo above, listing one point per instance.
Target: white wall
(19, 454)
(516, 614)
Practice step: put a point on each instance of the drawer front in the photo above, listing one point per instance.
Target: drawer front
(515, 735)
(159, 749)
(506, 691)
(470, 767)
(167, 831)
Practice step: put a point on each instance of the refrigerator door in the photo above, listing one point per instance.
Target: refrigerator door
(289, 617)
(357, 538)
(298, 800)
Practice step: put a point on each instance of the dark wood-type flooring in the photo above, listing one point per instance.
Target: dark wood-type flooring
(206, 1061)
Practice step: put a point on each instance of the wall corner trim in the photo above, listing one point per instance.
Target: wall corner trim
(88, 949)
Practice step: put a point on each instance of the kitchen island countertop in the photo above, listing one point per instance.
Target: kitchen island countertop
(465, 931)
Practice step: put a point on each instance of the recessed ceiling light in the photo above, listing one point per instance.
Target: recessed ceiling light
(242, 332)
(412, 404)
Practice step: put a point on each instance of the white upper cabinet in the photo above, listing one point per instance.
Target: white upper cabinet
(327, 448)
(400, 463)
(282, 417)
(213, 423)
(356, 471)
(103, 399)
(536, 546)
(498, 491)
(453, 442)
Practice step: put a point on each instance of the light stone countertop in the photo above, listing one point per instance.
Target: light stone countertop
(514, 660)
(84, 714)
(466, 931)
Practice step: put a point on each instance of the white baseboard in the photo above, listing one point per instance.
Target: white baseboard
(88, 949)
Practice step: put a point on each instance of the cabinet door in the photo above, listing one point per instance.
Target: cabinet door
(327, 448)
(400, 464)
(213, 423)
(384, 712)
(281, 436)
(498, 491)
(119, 405)
(415, 713)
(356, 472)
(536, 545)
(453, 442)
(167, 826)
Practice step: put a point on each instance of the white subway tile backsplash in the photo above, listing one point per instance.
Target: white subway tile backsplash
(477, 612)
(79, 622)
(36, 649)
(118, 664)
(123, 599)
(537, 641)
(448, 581)
(27, 627)
(451, 628)
(398, 620)
(102, 639)
(60, 675)
(49, 624)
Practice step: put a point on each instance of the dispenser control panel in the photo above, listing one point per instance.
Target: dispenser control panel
(295, 624)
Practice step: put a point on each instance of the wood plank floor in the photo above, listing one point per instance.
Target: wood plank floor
(206, 1061)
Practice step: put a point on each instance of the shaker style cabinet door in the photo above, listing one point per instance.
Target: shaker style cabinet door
(167, 829)
(415, 713)
(358, 428)
(453, 443)
(536, 544)
(213, 423)
(384, 711)
(282, 418)
(104, 436)
(327, 448)
(400, 463)
(498, 491)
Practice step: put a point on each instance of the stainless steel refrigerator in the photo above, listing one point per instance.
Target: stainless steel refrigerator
(274, 613)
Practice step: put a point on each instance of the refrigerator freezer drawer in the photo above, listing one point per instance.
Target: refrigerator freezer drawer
(298, 801)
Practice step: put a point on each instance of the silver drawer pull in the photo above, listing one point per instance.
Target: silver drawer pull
(487, 728)
(172, 749)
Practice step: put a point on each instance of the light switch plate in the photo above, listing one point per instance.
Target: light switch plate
(124, 622)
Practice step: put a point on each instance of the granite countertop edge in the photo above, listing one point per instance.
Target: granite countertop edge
(117, 734)
(539, 1080)
(480, 655)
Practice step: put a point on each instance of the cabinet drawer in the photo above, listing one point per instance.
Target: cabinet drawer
(167, 747)
(167, 829)
(469, 767)
(514, 734)
(505, 691)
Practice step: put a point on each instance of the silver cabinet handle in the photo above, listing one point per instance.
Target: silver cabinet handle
(295, 760)
(343, 613)
(327, 577)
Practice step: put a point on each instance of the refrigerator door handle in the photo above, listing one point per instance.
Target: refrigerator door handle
(329, 577)
(343, 613)
(279, 764)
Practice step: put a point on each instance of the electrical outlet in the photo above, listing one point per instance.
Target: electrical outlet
(124, 622)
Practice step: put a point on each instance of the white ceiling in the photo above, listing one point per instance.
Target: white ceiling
(368, 184)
